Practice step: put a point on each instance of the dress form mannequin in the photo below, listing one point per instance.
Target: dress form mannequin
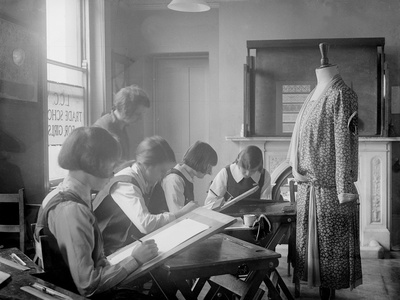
(324, 73)
(324, 157)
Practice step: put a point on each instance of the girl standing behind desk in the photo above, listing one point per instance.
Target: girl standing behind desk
(121, 207)
(177, 185)
(240, 176)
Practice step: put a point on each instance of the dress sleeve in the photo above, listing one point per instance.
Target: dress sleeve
(72, 225)
(174, 188)
(218, 187)
(130, 199)
(346, 144)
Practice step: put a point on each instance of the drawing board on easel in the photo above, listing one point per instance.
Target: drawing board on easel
(176, 236)
(220, 205)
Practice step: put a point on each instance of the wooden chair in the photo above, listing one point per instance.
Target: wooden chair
(50, 259)
(292, 190)
(38, 258)
(17, 198)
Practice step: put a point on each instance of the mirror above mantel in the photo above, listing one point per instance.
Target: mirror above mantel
(279, 74)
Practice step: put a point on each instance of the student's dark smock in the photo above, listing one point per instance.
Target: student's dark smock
(116, 128)
(178, 187)
(130, 199)
(79, 240)
(232, 180)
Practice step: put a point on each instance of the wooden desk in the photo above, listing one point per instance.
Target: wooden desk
(11, 289)
(283, 229)
(283, 223)
(218, 255)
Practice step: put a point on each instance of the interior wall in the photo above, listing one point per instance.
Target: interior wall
(297, 19)
(22, 141)
(223, 33)
(145, 34)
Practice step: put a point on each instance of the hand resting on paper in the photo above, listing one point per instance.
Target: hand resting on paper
(145, 251)
(187, 208)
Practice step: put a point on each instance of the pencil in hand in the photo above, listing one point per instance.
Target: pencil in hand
(136, 239)
(230, 196)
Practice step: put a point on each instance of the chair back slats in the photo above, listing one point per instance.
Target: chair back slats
(20, 227)
(9, 228)
(9, 198)
(292, 190)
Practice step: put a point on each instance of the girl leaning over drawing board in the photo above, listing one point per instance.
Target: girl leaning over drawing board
(242, 175)
(89, 154)
(121, 207)
(176, 189)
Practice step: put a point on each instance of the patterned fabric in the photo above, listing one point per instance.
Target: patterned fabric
(328, 158)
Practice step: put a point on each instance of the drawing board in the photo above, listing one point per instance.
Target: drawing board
(238, 198)
(176, 236)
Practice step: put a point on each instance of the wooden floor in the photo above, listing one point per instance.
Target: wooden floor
(381, 281)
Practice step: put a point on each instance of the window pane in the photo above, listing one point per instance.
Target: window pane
(64, 31)
(64, 75)
(66, 79)
(65, 112)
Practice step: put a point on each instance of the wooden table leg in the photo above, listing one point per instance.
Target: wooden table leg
(278, 235)
(272, 291)
(198, 285)
(186, 290)
(165, 286)
(254, 281)
(281, 284)
(247, 290)
(296, 281)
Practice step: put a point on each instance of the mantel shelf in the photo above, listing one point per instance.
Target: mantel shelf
(241, 139)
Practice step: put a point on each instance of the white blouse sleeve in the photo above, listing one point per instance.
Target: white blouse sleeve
(218, 187)
(130, 199)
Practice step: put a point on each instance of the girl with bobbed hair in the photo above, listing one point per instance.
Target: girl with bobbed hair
(243, 174)
(177, 185)
(121, 207)
(89, 154)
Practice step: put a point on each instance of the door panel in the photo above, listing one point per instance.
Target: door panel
(181, 104)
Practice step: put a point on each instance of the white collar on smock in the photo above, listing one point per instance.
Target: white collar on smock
(73, 185)
(186, 171)
(237, 175)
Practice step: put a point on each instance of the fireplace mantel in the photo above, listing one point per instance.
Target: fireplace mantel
(374, 180)
(258, 139)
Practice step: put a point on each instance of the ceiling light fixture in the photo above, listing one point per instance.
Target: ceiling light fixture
(189, 5)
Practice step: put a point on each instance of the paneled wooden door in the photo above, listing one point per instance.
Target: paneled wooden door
(181, 106)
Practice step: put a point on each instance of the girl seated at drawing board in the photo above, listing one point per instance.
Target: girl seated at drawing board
(89, 154)
(243, 174)
(121, 207)
(176, 189)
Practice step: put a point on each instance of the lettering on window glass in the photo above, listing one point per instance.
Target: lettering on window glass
(65, 111)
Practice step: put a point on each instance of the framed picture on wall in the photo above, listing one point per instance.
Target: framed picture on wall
(19, 62)
(120, 71)
(290, 96)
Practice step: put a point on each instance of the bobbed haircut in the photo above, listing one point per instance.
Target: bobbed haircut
(250, 158)
(154, 150)
(199, 156)
(89, 149)
(128, 99)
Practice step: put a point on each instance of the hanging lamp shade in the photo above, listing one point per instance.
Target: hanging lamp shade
(189, 5)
